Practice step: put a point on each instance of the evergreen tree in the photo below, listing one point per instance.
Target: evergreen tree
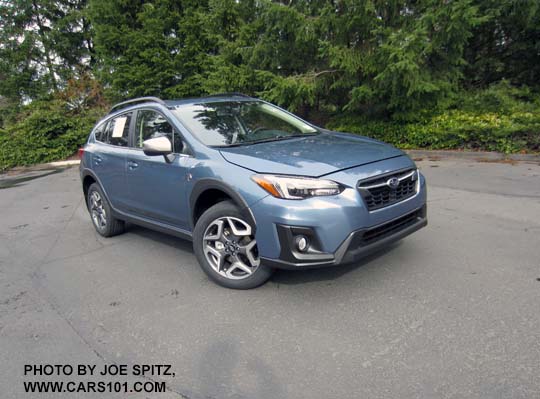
(507, 45)
(158, 48)
(42, 43)
(380, 58)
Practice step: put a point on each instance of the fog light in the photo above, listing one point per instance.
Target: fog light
(302, 243)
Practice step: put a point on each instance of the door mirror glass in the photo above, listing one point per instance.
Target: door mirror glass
(157, 146)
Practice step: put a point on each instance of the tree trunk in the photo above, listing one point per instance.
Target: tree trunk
(46, 49)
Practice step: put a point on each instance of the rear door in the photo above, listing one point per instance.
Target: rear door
(109, 158)
(156, 187)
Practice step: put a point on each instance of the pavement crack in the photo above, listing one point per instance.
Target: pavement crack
(44, 295)
(14, 298)
(55, 242)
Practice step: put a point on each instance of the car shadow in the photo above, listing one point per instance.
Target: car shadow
(219, 369)
(167, 239)
(285, 277)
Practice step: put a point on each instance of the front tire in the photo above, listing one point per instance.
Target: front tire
(100, 212)
(225, 246)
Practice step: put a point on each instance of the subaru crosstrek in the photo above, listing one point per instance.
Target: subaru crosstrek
(252, 185)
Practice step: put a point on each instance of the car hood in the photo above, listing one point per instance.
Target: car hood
(310, 156)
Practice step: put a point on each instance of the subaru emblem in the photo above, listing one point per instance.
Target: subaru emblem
(393, 183)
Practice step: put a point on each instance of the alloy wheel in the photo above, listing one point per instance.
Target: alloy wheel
(99, 215)
(230, 248)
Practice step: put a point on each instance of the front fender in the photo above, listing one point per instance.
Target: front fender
(210, 183)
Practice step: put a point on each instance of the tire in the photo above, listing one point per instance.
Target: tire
(226, 249)
(101, 213)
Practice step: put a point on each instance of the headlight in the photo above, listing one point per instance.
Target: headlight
(289, 187)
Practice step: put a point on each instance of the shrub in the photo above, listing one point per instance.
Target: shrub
(45, 131)
(500, 118)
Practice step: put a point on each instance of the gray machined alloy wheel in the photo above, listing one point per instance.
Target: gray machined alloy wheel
(97, 210)
(230, 248)
(103, 219)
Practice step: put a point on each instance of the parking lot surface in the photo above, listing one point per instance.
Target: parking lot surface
(452, 311)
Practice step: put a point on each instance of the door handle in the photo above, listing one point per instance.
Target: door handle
(132, 165)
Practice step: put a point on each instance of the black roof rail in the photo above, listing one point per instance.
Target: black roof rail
(229, 94)
(123, 104)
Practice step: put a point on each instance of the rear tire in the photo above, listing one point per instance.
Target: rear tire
(101, 213)
(226, 249)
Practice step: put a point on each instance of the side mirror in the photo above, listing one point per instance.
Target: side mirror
(157, 146)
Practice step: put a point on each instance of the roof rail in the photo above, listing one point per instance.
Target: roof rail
(123, 104)
(230, 94)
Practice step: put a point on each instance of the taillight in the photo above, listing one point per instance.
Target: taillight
(80, 153)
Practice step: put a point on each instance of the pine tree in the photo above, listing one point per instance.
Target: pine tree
(42, 43)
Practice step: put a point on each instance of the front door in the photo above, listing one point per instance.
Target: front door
(156, 187)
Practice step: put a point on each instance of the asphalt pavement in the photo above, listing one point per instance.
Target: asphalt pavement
(452, 311)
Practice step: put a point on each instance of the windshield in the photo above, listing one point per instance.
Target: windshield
(227, 123)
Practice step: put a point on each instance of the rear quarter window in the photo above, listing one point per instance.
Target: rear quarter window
(115, 131)
(99, 132)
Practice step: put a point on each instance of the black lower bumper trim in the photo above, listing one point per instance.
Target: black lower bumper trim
(359, 243)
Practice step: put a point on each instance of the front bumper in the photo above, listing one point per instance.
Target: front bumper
(336, 225)
(357, 245)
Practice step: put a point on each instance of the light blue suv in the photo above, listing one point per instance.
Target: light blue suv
(252, 185)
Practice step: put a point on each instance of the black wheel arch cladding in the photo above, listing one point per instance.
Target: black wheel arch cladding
(203, 185)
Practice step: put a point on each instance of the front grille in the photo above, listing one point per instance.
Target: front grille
(391, 227)
(377, 192)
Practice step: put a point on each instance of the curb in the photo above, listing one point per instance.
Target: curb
(23, 170)
(64, 163)
(473, 155)
(434, 155)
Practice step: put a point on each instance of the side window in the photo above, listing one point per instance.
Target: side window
(98, 133)
(117, 132)
(151, 124)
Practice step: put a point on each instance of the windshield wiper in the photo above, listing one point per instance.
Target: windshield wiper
(275, 138)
